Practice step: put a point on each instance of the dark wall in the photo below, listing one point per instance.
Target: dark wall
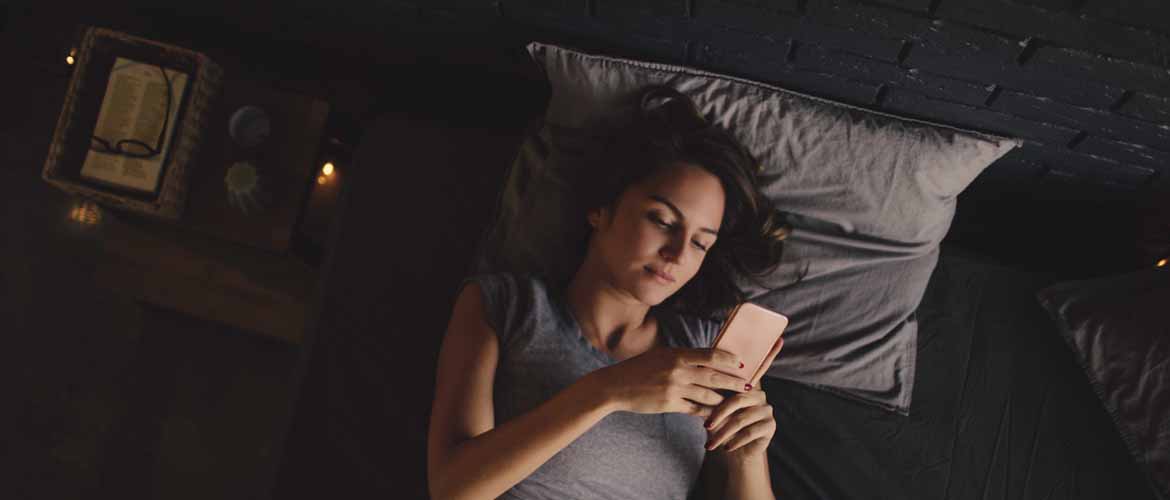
(1086, 83)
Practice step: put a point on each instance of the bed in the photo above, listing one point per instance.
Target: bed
(1000, 409)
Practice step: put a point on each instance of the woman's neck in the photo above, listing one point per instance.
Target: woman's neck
(608, 317)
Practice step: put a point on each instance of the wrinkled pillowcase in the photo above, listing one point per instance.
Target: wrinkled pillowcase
(870, 195)
(1118, 328)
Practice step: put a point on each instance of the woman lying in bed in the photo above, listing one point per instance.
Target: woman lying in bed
(601, 388)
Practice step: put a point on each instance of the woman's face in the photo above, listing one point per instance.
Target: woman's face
(660, 231)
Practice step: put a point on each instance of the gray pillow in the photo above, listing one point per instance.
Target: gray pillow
(1119, 330)
(871, 196)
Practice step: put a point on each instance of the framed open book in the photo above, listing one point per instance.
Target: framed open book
(132, 122)
(135, 127)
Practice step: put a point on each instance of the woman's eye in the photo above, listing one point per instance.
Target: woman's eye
(660, 222)
(655, 219)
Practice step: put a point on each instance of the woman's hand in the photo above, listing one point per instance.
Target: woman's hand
(666, 380)
(744, 423)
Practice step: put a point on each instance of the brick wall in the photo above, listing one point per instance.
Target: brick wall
(1086, 83)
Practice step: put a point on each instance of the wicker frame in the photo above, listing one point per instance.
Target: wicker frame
(172, 195)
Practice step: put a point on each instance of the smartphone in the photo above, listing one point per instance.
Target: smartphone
(753, 333)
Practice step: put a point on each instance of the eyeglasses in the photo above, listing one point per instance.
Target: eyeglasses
(135, 148)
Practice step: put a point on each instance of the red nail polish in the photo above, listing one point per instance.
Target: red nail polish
(741, 364)
(747, 387)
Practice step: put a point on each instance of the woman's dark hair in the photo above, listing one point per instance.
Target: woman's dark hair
(660, 126)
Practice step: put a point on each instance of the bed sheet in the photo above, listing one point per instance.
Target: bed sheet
(1000, 409)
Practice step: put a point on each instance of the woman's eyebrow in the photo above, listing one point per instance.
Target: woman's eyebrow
(678, 213)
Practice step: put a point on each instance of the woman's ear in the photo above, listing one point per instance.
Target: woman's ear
(594, 217)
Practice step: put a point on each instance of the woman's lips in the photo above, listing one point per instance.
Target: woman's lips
(659, 276)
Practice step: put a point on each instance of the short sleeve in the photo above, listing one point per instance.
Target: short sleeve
(499, 291)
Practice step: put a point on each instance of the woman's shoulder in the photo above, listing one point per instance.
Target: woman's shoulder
(511, 290)
(503, 280)
(512, 301)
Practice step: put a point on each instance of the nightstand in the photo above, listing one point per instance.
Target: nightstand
(251, 265)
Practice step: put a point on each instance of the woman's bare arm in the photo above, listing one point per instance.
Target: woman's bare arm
(731, 475)
(468, 456)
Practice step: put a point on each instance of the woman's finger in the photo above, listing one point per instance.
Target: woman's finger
(702, 395)
(736, 422)
(753, 397)
(760, 429)
(725, 409)
(714, 379)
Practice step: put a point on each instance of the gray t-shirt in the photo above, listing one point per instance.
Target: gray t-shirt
(626, 455)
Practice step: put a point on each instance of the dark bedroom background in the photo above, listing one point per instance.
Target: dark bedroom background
(107, 395)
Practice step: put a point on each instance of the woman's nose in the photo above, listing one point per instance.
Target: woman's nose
(672, 253)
